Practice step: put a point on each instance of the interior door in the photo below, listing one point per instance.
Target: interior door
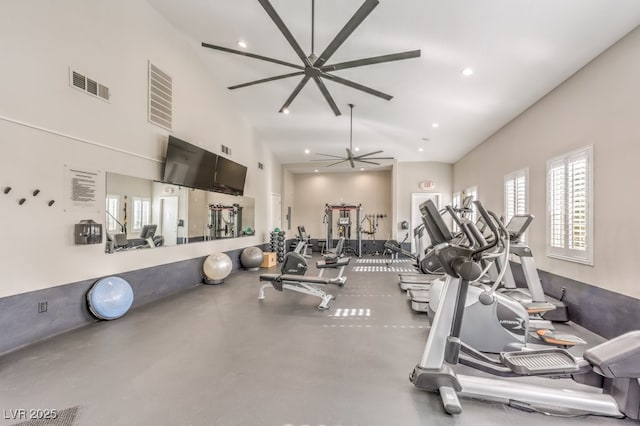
(169, 220)
(418, 198)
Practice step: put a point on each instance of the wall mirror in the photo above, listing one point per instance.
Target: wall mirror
(141, 213)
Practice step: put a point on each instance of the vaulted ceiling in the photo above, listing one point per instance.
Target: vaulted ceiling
(518, 51)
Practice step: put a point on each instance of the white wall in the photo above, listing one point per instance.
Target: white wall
(313, 191)
(45, 124)
(599, 106)
(409, 177)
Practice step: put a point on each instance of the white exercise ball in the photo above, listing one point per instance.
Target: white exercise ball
(216, 268)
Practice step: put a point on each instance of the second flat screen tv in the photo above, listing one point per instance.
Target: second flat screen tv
(230, 177)
(189, 165)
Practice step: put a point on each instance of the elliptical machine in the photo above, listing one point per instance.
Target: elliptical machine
(493, 321)
(613, 366)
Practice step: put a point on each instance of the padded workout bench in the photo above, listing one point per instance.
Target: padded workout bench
(300, 283)
(339, 263)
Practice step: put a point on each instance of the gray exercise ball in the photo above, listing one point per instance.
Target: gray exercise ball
(251, 258)
(216, 268)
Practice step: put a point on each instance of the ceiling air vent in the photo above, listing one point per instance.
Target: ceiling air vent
(160, 97)
(88, 85)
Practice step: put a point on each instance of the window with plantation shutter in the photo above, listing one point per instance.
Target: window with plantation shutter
(473, 192)
(141, 212)
(569, 206)
(113, 204)
(515, 195)
(456, 202)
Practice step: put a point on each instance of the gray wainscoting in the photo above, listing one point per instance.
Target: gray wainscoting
(21, 324)
(602, 311)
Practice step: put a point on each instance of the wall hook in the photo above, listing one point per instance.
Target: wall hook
(21, 201)
(36, 192)
(51, 202)
(7, 190)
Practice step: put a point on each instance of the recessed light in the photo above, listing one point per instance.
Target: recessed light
(306, 151)
(316, 170)
(285, 111)
(435, 125)
(420, 149)
(467, 72)
(242, 44)
(356, 149)
(362, 169)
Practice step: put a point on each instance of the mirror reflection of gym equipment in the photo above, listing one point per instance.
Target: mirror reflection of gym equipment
(182, 214)
(224, 221)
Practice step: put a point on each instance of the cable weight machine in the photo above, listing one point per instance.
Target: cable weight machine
(344, 224)
(224, 221)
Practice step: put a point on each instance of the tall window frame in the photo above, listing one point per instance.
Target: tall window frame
(456, 202)
(516, 195)
(113, 216)
(473, 192)
(140, 212)
(570, 206)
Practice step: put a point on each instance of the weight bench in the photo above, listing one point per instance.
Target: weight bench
(334, 263)
(300, 283)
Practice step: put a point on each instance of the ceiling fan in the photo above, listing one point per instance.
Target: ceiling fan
(314, 67)
(352, 159)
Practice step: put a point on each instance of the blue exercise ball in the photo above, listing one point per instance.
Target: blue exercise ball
(110, 298)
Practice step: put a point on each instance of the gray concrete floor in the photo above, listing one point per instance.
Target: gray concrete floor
(215, 355)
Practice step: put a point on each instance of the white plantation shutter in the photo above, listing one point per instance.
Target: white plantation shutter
(456, 203)
(112, 209)
(515, 195)
(569, 206)
(473, 192)
(141, 213)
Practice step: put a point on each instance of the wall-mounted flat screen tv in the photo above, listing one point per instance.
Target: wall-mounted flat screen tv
(230, 177)
(189, 165)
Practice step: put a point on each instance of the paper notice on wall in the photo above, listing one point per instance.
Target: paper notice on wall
(81, 189)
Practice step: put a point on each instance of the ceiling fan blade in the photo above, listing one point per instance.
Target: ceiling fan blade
(327, 96)
(328, 155)
(372, 60)
(371, 153)
(284, 30)
(378, 158)
(264, 80)
(252, 55)
(357, 86)
(333, 164)
(368, 162)
(295, 93)
(349, 27)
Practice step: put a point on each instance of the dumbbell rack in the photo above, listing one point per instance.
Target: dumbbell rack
(278, 245)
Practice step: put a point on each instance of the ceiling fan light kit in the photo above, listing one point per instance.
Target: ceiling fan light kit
(315, 67)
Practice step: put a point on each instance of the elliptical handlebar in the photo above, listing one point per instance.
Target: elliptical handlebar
(487, 218)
